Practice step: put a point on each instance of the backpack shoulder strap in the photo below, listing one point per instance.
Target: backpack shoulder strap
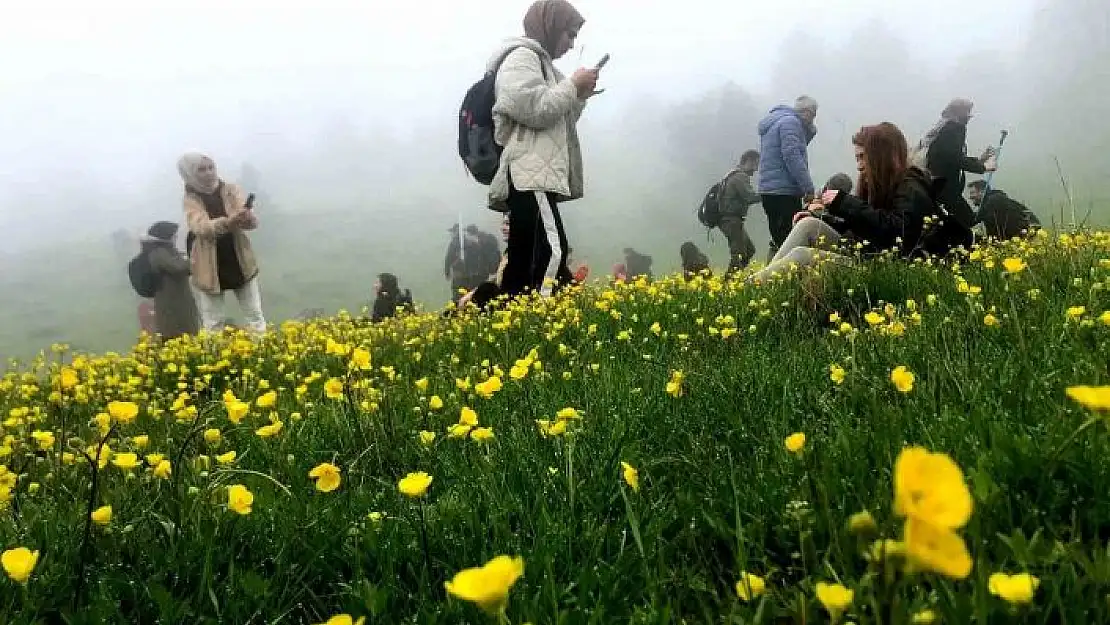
(506, 53)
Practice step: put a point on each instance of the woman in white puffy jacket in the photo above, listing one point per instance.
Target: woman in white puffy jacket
(535, 114)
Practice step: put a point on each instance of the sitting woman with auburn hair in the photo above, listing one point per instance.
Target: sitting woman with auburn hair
(895, 210)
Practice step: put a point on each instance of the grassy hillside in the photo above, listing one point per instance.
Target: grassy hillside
(640, 448)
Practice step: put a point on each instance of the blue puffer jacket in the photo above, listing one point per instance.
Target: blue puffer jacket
(783, 162)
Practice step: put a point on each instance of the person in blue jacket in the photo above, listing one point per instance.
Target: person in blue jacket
(784, 179)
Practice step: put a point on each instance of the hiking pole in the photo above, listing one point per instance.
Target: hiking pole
(997, 156)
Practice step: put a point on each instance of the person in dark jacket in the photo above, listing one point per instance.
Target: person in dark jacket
(175, 310)
(839, 182)
(1002, 216)
(636, 264)
(389, 298)
(943, 153)
(471, 258)
(896, 209)
(694, 262)
(736, 196)
(784, 178)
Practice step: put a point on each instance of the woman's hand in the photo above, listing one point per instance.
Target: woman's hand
(829, 196)
(585, 80)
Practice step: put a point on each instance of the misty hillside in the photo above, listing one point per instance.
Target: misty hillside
(351, 144)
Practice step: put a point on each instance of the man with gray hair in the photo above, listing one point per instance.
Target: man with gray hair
(784, 179)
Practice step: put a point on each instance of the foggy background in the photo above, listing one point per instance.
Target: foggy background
(342, 117)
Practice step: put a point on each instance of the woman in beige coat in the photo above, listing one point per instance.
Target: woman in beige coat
(535, 113)
(220, 253)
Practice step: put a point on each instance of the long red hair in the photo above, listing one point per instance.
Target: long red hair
(887, 161)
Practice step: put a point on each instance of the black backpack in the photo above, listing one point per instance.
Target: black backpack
(479, 152)
(143, 278)
(709, 213)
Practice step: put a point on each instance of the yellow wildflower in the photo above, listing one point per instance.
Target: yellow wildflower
(930, 487)
(333, 388)
(435, 403)
(271, 430)
(795, 443)
(835, 598)
(467, 416)
(675, 384)
(631, 476)
(837, 373)
(102, 515)
(239, 499)
(750, 586)
(125, 461)
(267, 400)
(344, 619)
(123, 411)
(902, 378)
(426, 438)
(19, 563)
(326, 476)
(487, 586)
(1092, 397)
(226, 458)
(415, 484)
(481, 434)
(1013, 265)
(1016, 589)
(212, 436)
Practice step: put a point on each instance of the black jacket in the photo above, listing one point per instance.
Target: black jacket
(947, 160)
(1004, 217)
(902, 225)
(386, 304)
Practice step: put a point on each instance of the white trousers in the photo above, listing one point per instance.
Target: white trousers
(250, 303)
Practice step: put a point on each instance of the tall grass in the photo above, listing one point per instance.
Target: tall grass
(718, 494)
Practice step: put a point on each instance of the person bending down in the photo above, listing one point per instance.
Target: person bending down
(895, 210)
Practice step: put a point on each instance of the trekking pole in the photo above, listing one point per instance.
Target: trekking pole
(997, 157)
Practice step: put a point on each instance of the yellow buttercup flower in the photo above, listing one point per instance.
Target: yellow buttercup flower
(902, 378)
(750, 586)
(487, 586)
(162, 470)
(421, 384)
(102, 515)
(675, 384)
(125, 461)
(930, 487)
(344, 619)
(1017, 589)
(1013, 265)
(873, 318)
(271, 430)
(414, 484)
(835, 598)
(862, 523)
(481, 435)
(360, 359)
(435, 403)
(333, 388)
(267, 400)
(212, 436)
(123, 411)
(141, 441)
(1092, 397)
(45, 440)
(226, 458)
(795, 443)
(934, 548)
(19, 563)
(236, 410)
(837, 373)
(468, 417)
(924, 617)
(68, 378)
(631, 476)
(567, 414)
(239, 499)
(487, 389)
(326, 476)
(426, 437)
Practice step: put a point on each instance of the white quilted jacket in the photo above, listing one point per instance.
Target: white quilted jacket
(534, 118)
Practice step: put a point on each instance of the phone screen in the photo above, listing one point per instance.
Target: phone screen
(602, 62)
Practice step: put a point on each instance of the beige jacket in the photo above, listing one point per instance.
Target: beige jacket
(534, 117)
(203, 256)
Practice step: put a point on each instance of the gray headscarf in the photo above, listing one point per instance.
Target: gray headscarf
(188, 165)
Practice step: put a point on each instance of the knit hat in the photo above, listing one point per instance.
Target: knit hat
(163, 231)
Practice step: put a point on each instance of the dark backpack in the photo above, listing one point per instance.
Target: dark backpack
(479, 152)
(143, 278)
(709, 213)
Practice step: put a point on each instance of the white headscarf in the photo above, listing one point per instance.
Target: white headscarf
(188, 165)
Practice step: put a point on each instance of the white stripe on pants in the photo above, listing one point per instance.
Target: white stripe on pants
(250, 303)
(551, 230)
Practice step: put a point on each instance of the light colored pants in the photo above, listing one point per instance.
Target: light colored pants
(801, 249)
(250, 303)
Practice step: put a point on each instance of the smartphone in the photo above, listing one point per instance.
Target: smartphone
(602, 62)
(250, 202)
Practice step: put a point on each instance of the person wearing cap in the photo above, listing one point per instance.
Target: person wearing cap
(175, 311)
(784, 180)
(1002, 216)
(943, 153)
